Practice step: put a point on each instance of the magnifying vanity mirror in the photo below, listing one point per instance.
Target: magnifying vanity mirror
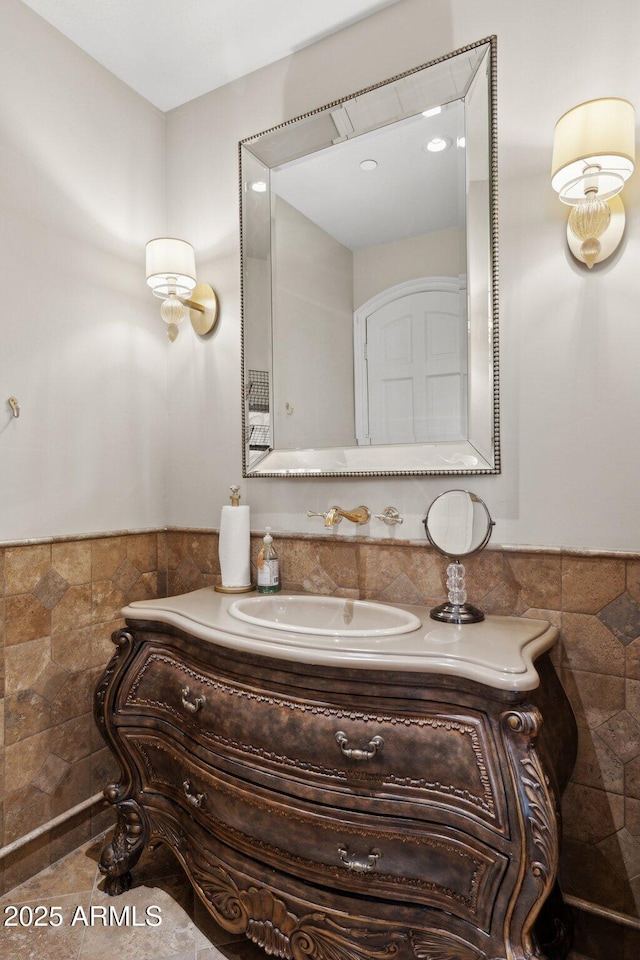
(458, 525)
(369, 280)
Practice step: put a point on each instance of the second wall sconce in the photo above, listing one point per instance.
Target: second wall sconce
(171, 274)
(593, 156)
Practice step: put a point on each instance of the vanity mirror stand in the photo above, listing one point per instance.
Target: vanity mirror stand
(458, 525)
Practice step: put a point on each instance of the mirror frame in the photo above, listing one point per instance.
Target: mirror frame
(286, 463)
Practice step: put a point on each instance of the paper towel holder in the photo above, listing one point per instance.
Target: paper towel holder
(219, 587)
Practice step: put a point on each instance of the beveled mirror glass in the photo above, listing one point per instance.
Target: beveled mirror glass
(369, 280)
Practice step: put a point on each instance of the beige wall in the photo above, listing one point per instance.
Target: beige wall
(82, 189)
(569, 339)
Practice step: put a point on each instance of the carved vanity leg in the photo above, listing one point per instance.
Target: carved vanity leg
(121, 855)
(538, 825)
(132, 830)
(554, 927)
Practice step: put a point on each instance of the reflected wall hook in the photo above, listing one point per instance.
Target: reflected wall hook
(15, 406)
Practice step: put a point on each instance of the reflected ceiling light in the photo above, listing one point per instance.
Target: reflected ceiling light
(171, 274)
(259, 186)
(368, 165)
(593, 156)
(432, 113)
(461, 142)
(437, 144)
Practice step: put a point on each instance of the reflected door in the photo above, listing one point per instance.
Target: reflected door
(416, 366)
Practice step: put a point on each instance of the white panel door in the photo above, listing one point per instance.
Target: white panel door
(417, 369)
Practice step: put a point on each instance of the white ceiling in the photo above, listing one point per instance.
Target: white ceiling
(172, 51)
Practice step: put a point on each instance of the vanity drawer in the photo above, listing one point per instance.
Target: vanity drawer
(389, 858)
(361, 758)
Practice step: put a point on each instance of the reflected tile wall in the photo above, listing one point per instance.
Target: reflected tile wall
(60, 602)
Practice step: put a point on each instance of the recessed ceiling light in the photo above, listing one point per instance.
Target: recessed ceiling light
(437, 144)
(432, 113)
(368, 164)
(259, 186)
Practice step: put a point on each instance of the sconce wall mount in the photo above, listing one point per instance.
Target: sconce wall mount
(171, 274)
(593, 157)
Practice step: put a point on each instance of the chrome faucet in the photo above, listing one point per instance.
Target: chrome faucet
(334, 515)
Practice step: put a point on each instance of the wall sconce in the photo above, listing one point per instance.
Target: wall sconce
(593, 156)
(171, 274)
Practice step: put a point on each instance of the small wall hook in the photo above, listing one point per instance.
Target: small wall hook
(15, 406)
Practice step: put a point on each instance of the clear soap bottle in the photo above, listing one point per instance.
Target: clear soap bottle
(268, 566)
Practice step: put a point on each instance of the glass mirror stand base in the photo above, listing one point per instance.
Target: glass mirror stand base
(456, 609)
(457, 613)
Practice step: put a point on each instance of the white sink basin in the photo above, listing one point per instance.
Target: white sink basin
(326, 616)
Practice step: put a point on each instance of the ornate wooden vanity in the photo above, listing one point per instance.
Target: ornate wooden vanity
(335, 809)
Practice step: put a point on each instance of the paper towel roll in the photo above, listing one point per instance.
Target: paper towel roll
(234, 546)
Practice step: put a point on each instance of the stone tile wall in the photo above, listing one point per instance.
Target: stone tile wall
(60, 602)
(593, 599)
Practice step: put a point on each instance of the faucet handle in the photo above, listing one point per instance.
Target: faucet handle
(390, 516)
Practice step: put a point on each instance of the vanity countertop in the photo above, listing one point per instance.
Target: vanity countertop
(499, 652)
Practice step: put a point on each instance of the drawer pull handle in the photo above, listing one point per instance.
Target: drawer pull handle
(191, 705)
(195, 799)
(355, 753)
(359, 866)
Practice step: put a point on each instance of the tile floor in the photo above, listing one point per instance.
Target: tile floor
(186, 931)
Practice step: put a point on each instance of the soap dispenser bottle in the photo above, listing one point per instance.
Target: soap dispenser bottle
(268, 566)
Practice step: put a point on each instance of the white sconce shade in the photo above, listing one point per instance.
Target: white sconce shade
(171, 267)
(171, 274)
(599, 133)
(593, 156)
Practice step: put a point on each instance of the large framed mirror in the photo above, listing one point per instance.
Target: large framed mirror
(369, 280)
